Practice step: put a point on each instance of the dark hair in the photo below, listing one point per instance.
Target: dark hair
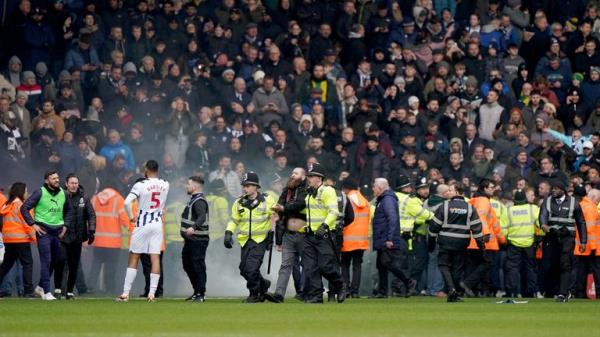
(49, 173)
(197, 179)
(71, 175)
(17, 190)
(484, 183)
(152, 165)
(458, 187)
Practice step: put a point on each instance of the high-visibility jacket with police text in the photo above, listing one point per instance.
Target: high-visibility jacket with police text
(521, 225)
(252, 217)
(321, 207)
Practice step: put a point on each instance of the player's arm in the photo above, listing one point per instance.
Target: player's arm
(133, 195)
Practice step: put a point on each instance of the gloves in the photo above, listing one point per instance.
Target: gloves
(322, 231)
(228, 239)
(486, 238)
(91, 237)
(431, 242)
(406, 235)
(269, 240)
(480, 245)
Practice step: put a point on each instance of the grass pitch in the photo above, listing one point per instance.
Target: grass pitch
(416, 316)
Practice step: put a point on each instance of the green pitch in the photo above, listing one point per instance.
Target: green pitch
(363, 317)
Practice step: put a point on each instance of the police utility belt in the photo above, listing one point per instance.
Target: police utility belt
(560, 225)
(187, 221)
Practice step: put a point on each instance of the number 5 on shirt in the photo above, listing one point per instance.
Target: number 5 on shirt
(155, 200)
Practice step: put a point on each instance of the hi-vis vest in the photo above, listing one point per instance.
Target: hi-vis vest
(356, 234)
(254, 223)
(522, 225)
(188, 221)
(218, 208)
(489, 223)
(592, 223)
(173, 222)
(112, 222)
(14, 227)
(321, 208)
(49, 210)
(556, 221)
(500, 210)
(410, 209)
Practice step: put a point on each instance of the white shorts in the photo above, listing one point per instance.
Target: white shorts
(147, 239)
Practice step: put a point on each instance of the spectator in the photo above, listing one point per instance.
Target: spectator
(116, 146)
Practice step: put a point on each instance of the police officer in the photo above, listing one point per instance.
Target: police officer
(452, 227)
(410, 209)
(419, 253)
(252, 214)
(319, 253)
(559, 215)
(194, 230)
(521, 229)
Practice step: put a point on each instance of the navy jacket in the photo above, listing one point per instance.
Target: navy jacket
(386, 221)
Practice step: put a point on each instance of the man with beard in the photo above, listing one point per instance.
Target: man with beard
(289, 234)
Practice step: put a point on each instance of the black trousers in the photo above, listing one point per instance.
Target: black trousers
(521, 264)
(451, 264)
(583, 266)
(419, 258)
(147, 267)
(72, 254)
(557, 264)
(193, 256)
(107, 261)
(354, 258)
(477, 269)
(22, 252)
(251, 260)
(318, 260)
(390, 261)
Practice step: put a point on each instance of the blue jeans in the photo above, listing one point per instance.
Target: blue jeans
(435, 283)
(50, 254)
(13, 280)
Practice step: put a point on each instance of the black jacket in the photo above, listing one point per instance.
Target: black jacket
(454, 223)
(83, 221)
(550, 209)
(293, 202)
(198, 206)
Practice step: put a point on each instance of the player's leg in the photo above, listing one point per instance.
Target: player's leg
(129, 276)
(154, 274)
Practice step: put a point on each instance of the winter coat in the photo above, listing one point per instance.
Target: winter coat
(386, 221)
(83, 221)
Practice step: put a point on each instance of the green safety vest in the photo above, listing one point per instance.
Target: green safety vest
(254, 223)
(49, 209)
(322, 208)
(522, 223)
